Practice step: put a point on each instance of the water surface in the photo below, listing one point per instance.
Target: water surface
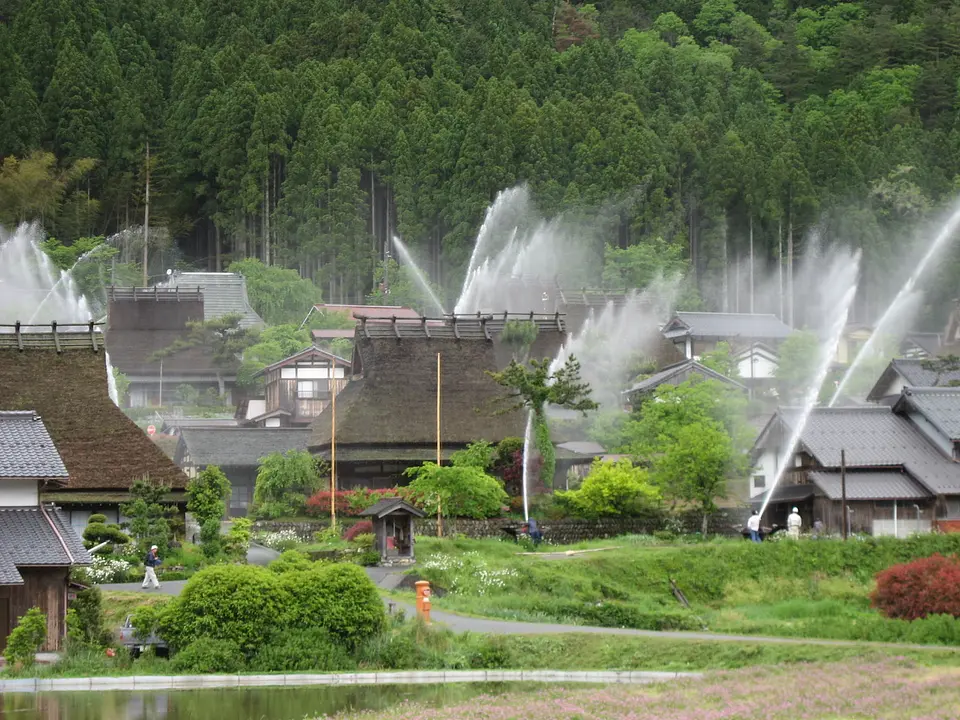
(275, 703)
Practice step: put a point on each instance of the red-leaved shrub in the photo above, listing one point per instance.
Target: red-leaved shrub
(358, 528)
(928, 586)
(349, 502)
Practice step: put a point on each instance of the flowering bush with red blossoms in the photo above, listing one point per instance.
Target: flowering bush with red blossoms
(348, 502)
(358, 528)
(928, 586)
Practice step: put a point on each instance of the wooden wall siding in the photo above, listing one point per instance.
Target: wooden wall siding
(45, 588)
(284, 395)
(866, 511)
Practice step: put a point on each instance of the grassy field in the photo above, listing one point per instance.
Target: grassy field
(796, 589)
(888, 690)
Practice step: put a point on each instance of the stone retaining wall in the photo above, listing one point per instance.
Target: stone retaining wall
(726, 521)
(196, 682)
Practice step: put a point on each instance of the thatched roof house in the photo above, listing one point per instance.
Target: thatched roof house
(386, 416)
(63, 377)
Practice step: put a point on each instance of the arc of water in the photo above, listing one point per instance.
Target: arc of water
(527, 436)
(417, 273)
(903, 297)
(827, 352)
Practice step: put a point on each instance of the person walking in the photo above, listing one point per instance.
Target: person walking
(151, 562)
(793, 524)
(753, 526)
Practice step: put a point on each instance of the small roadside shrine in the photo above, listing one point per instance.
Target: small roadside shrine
(393, 529)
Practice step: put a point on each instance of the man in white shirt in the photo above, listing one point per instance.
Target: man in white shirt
(753, 525)
(793, 524)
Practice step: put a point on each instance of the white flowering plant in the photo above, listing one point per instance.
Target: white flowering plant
(467, 573)
(281, 540)
(106, 570)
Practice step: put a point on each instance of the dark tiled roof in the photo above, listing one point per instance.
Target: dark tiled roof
(940, 406)
(40, 536)
(390, 505)
(875, 437)
(26, 450)
(727, 325)
(100, 446)
(912, 373)
(8, 571)
(223, 294)
(131, 352)
(879, 485)
(238, 447)
(681, 369)
(786, 493)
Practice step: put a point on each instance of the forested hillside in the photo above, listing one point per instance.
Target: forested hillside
(305, 132)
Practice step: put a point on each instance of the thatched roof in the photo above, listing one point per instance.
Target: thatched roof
(391, 409)
(100, 446)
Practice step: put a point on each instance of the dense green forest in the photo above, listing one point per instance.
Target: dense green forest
(306, 132)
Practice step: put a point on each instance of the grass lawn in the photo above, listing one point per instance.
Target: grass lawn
(796, 589)
(887, 690)
(118, 604)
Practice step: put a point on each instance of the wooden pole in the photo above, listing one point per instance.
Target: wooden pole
(333, 447)
(843, 491)
(146, 219)
(439, 514)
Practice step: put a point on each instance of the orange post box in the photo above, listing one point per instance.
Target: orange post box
(423, 599)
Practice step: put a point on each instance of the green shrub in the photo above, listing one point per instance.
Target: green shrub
(148, 619)
(368, 558)
(240, 603)
(465, 491)
(236, 544)
(364, 540)
(491, 652)
(612, 488)
(207, 495)
(97, 518)
(210, 538)
(340, 598)
(88, 627)
(290, 561)
(299, 650)
(209, 655)
(26, 639)
(97, 532)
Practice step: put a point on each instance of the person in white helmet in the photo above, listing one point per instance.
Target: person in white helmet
(793, 524)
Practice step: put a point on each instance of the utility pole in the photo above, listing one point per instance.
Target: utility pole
(843, 491)
(146, 219)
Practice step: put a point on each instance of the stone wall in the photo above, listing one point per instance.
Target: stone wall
(727, 521)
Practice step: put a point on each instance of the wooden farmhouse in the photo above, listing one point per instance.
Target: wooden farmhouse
(900, 461)
(38, 547)
(297, 389)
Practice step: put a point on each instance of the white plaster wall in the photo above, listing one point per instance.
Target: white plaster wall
(766, 466)
(763, 367)
(18, 492)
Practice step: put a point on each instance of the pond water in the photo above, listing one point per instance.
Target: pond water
(276, 703)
